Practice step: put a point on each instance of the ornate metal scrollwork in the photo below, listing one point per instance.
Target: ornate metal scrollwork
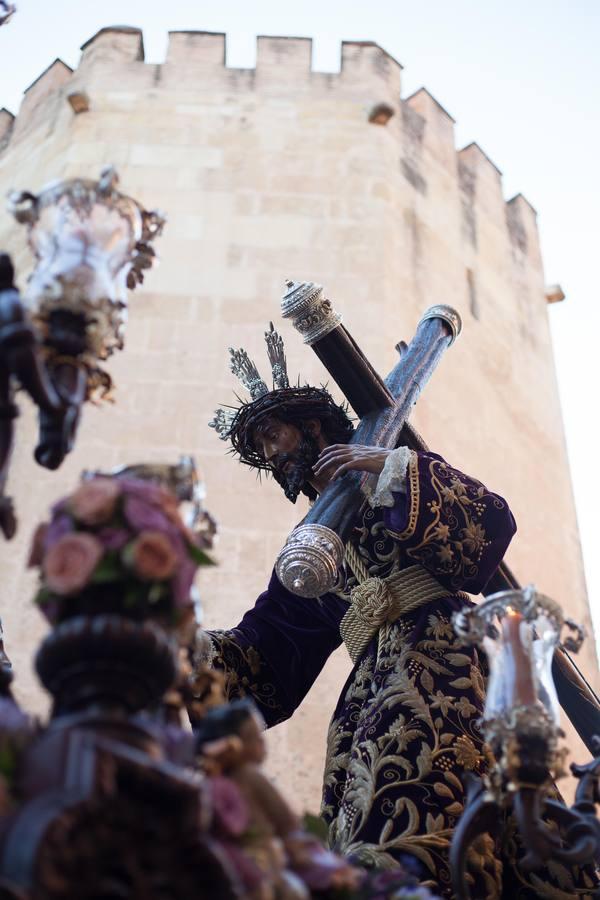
(91, 243)
(448, 314)
(519, 630)
(473, 624)
(309, 562)
(310, 311)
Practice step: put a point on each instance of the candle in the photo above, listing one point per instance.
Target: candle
(520, 684)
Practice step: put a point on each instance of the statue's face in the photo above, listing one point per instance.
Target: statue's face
(290, 452)
(275, 440)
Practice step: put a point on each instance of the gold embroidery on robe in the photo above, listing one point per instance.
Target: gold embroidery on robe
(243, 667)
(454, 540)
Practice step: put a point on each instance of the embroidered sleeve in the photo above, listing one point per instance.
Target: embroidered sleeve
(278, 649)
(451, 524)
(247, 674)
(392, 479)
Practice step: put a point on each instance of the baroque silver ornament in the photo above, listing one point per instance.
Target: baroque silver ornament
(312, 314)
(91, 243)
(309, 563)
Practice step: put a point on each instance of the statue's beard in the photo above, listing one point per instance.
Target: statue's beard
(293, 470)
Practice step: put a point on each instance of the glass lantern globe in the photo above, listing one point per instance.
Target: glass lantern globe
(91, 243)
(519, 631)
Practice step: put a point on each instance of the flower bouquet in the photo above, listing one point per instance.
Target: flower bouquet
(118, 545)
(392, 884)
(403, 882)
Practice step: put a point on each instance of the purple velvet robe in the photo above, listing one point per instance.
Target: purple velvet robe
(405, 727)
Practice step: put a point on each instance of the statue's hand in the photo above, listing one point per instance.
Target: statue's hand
(337, 459)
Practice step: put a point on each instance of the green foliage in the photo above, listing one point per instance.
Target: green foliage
(200, 556)
(315, 825)
(43, 596)
(108, 569)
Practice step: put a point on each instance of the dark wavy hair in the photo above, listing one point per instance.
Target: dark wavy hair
(293, 406)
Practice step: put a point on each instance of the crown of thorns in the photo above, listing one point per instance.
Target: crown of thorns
(298, 402)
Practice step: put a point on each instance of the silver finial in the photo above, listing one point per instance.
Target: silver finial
(310, 311)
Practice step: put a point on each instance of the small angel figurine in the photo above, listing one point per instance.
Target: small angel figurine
(274, 857)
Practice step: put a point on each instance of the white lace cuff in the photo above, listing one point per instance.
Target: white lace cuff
(203, 650)
(392, 479)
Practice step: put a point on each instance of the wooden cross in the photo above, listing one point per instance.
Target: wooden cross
(383, 408)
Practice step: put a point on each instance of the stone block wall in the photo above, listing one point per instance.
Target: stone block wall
(266, 174)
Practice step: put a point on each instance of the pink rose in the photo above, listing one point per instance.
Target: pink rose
(143, 516)
(95, 501)
(153, 557)
(36, 552)
(70, 562)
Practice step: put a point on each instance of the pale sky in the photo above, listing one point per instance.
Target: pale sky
(521, 77)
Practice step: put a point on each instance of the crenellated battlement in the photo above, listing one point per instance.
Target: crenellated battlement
(201, 49)
(521, 219)
(112, 74)
(473, 156)
(41, 98)
(438, 133)
(115, 44)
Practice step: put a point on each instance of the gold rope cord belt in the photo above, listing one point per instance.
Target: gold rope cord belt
(376, 601)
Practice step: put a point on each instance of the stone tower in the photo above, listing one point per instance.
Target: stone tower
(279, 172)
